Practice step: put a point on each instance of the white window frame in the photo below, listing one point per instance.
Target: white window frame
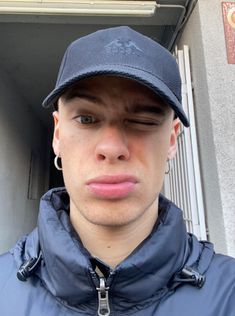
(182, 184)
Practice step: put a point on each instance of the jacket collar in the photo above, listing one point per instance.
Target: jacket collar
(67, 269)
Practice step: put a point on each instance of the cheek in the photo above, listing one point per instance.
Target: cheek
(74, 150)
(152, 152)
(153, 155)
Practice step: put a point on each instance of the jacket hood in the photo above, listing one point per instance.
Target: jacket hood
(148, 273)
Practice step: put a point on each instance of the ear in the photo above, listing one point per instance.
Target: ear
(56, 141)
(173, 139)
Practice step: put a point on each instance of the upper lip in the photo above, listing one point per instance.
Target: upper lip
(112, 179)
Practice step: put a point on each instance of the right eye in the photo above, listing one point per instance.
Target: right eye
(86, 119)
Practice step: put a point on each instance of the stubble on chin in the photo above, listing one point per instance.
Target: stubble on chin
(112, 214)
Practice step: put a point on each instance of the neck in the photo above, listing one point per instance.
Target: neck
(113, 244)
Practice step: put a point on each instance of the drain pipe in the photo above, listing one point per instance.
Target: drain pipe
(179, 24)
(187, 9)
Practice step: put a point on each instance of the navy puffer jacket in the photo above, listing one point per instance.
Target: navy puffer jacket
(170, 272)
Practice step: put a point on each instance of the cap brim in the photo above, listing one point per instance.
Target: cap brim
(155, 84)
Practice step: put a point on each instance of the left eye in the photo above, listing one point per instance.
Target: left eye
(142, 122)
(86, 119)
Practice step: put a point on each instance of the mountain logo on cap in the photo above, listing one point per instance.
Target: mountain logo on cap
(123, 46)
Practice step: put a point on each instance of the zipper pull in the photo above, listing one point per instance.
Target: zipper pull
(103, 298)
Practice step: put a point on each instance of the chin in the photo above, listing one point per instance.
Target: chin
(111, 219)
(114, 214)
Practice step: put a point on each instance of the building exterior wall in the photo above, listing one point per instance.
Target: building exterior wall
(21, 134)
(214, 93)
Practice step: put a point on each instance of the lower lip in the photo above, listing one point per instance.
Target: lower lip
(112, 190)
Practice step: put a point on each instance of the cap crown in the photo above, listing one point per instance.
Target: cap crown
(124, 52)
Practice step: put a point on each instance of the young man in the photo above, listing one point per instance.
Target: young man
(109, 243)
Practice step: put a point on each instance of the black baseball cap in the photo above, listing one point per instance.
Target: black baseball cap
(121, 51)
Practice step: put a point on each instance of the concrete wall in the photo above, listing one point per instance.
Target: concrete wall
(214, 95)
(22, 144)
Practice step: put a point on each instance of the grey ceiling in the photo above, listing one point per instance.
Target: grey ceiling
(31, 47)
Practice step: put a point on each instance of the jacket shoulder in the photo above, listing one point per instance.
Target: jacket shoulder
(7, 267)
(224, 263)
(221, 282)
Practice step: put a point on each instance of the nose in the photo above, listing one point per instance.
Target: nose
(112, 145)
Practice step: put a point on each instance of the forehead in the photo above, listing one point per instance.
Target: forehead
(113, 86)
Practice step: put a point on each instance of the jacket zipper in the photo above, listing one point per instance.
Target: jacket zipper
(103, 298)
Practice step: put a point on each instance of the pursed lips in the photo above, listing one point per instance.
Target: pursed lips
(112, 186)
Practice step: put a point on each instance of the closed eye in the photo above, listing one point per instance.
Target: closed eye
(144, 122)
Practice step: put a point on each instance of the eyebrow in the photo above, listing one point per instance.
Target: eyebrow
(136, 108)
(82, 95)
(145, 108)
(140, 108)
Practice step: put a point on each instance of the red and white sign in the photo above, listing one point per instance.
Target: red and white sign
(229, 29)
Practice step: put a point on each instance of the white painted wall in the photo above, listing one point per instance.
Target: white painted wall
(214, 93)
(20, 133)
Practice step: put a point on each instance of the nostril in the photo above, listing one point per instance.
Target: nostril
(100, 157)
(122, 157)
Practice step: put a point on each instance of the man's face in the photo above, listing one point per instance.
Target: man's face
(114, 137)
